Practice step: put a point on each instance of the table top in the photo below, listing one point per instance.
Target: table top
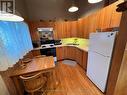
(37, 64)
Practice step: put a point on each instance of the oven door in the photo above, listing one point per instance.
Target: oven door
(49, 52)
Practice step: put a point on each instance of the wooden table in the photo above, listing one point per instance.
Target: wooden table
(43, 64)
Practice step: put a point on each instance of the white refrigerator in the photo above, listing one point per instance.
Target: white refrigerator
(99, 57)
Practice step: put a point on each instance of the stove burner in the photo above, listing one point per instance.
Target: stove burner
(51, 45)
(43, 46)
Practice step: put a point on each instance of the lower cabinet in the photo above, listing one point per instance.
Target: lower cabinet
(69, 52)
(72, 53)
(36, 52)
(60, 53)
(65, 53)
(79, 56)
(84, 61)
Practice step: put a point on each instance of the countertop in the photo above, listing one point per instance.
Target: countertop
(79, 43)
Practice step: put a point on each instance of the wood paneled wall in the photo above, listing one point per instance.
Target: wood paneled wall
(104, 18)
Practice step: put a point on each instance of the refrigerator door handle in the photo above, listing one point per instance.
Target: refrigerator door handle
(98, 53)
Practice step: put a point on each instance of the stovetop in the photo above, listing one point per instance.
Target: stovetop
(43, 42)
(48, 46)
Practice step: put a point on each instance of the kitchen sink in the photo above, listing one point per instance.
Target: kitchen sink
(73, 44)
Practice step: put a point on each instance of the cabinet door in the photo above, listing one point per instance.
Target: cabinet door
(105, 17)
(84, 62)
(66, 53)
(73, 53)
(80, 28)
(73, 29)
(63, 53)
(79, 56)
(36, 52)
(69, 53)
(60, 53)
(116, 16)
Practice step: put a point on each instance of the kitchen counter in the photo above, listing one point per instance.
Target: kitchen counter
(71, 48)
(79, 43)
(76, 42)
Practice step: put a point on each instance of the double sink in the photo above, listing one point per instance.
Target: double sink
(75, 43)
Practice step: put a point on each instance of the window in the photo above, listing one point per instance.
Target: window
(15, 42)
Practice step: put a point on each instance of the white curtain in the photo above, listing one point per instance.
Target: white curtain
(3, 88)
(15, 42)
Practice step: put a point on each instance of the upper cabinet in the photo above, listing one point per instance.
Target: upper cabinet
(65, 29)
(102, 19)
(109, 17)
(116, 16)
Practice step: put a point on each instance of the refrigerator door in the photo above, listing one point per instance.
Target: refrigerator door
(97, 69)
(102, 43)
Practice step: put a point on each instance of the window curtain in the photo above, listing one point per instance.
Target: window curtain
(15, 42)
(3, 88)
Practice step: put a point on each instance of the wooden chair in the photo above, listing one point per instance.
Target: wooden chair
(33, 83)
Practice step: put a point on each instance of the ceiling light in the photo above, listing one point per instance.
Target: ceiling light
(73, 9)
(4, 16)
(94, 1)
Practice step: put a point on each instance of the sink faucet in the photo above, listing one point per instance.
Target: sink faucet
(75, 41)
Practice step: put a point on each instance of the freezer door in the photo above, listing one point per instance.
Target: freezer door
(98, 69)
(102, 43)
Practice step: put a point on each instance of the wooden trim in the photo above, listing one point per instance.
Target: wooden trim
(121, 86)
(66, 59)
(117, 55)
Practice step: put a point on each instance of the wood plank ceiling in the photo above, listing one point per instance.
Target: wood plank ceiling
(58, 9)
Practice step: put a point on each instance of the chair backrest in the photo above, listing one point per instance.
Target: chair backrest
(34, 82)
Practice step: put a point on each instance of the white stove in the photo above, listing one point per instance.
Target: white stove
(49, 50)
(47, 46)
